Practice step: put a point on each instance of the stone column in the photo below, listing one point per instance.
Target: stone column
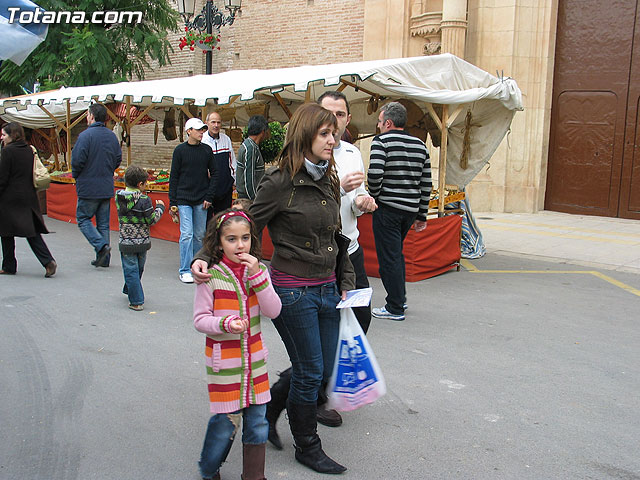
(454, 27)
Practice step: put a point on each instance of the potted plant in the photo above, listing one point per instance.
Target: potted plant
(195, 38)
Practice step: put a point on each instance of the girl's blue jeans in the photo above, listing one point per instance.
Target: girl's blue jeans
(221, 432)
(309, 325)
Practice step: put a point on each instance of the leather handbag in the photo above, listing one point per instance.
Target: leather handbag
(235, 132)
(41, 177)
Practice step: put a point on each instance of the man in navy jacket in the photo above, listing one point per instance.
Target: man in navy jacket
(95, 157)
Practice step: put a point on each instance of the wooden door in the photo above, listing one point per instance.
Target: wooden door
(630, 186)
(589, 117)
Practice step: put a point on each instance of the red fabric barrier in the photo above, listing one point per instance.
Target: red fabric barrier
(426, 254)
(62, 200)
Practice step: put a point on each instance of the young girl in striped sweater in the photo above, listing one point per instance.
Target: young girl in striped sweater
(227, 309)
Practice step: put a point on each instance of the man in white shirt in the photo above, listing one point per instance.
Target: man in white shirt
(355, 199)
(225, 163)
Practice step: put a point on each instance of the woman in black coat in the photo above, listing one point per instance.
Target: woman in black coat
(19, 208)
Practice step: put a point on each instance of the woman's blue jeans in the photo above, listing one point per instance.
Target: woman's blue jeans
(309, 325)
(222, 430)
(132, 268)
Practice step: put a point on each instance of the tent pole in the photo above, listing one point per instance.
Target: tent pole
(49, 138)
(68, 129)
(109, 112)
(282, 104)
(57, 122)
(442, 166)
(79, 119)
(186, 111)
(59, 145)
(141, 115)
(128, 127)
(57, 134)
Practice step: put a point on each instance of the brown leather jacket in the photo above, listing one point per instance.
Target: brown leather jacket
(302, 216)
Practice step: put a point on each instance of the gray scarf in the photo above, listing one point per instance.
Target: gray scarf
(316, 171)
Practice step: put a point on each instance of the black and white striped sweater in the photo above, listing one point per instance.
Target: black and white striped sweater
(400, 172)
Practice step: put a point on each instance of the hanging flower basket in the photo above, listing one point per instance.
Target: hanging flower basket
(202, 40)
(205, 47)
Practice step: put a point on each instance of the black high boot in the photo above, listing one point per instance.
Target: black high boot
(279, 394)
(302, 419)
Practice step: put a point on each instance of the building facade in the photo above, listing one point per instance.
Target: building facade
(572, 149)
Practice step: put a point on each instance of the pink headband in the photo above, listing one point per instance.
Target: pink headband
(228, 215)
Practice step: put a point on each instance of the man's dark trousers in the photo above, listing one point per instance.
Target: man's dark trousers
(363, 314)
(390, 227)
(219, 204)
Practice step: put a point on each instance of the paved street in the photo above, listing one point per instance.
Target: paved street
(513, 368)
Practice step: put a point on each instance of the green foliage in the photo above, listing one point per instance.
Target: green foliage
(272, 146)
(93, 54)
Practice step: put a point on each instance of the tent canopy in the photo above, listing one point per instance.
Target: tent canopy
(478, 101)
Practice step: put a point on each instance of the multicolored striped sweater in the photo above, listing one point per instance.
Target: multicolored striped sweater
(236, 363)
(135, 215)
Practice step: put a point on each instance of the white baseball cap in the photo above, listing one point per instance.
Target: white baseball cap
(194, 123)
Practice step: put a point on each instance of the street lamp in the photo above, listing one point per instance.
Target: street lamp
(208, 19)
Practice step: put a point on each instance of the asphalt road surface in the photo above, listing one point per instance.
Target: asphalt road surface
(517, 369)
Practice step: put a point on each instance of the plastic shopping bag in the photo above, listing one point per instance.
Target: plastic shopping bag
(356, 379)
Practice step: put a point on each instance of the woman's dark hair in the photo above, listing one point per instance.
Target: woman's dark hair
(212, 244)
(303, 128)
(133, 175)
(14, 130)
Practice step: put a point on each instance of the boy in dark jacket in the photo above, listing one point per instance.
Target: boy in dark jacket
(135, 215)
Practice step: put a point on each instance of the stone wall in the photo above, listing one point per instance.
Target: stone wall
(516, 38)
(513, 37)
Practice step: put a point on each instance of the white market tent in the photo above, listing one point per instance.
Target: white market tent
(475, 107)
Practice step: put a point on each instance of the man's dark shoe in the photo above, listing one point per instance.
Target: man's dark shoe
(329, 418)
(101, 259)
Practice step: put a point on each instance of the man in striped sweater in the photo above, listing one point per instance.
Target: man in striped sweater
(400, 182)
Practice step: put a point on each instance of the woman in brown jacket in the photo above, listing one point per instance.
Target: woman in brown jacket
(19, 208)
(299, 202)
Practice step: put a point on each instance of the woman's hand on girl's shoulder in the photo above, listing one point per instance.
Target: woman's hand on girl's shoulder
(253, 266)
